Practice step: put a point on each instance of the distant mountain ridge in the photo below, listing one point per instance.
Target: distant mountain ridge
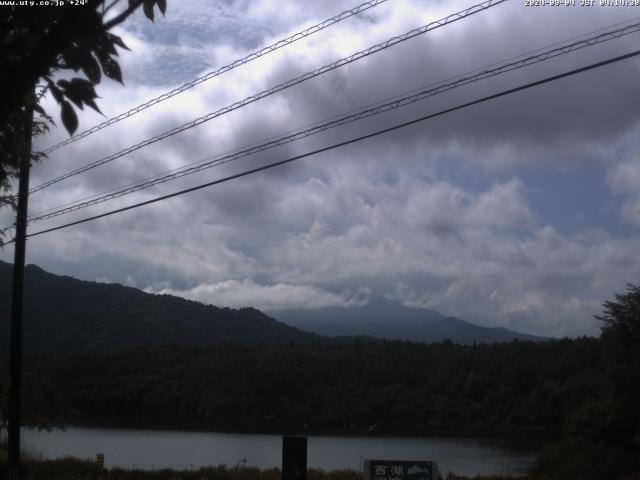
(382, 318)
(63, 314)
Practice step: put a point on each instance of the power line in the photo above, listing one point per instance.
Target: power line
(208, 76)
(376, 109)
(347, 142)
(295, 81)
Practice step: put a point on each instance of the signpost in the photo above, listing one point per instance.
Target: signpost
(100, 465)
(400, 470)
(294, 458)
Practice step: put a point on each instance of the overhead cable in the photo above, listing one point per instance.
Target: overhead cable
(387, 105)
(347, 142)
(290, 83)
(208, 76)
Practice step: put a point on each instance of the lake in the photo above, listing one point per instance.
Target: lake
(151, 449)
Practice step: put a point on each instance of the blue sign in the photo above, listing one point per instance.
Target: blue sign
(400, 470)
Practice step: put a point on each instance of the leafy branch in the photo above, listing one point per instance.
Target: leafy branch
(36, 48)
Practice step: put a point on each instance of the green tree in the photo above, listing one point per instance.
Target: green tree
(36, 44)
(603, 432)
(621, 339)
(43, 404)
(621, 325)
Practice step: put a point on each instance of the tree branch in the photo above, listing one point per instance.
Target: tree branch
(105, 10)
(123, 16)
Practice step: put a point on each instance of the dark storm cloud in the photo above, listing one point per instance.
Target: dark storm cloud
(594, 107)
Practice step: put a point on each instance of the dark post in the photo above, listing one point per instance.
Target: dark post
(15, 347)
(294, 458)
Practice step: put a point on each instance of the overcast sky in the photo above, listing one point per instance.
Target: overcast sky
(523, 212)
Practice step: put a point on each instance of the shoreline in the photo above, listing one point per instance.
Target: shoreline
(69, 467)
(283, 430)
(152, 450)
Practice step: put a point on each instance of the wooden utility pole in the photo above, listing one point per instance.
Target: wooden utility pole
(15, 347)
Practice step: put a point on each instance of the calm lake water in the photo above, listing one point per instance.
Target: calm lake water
(151, 449)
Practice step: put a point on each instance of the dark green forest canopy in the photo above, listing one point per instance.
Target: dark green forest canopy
(398, 386)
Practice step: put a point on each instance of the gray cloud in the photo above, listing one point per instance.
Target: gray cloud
(437, 215)
(624, 179)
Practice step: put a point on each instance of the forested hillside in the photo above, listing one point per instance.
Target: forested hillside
(63, 314)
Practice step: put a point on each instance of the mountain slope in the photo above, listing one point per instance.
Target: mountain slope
(393, 321)
(66, 314)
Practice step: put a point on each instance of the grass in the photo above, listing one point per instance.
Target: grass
(75, 469)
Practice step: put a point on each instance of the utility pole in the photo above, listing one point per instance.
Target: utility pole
(15, 347)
